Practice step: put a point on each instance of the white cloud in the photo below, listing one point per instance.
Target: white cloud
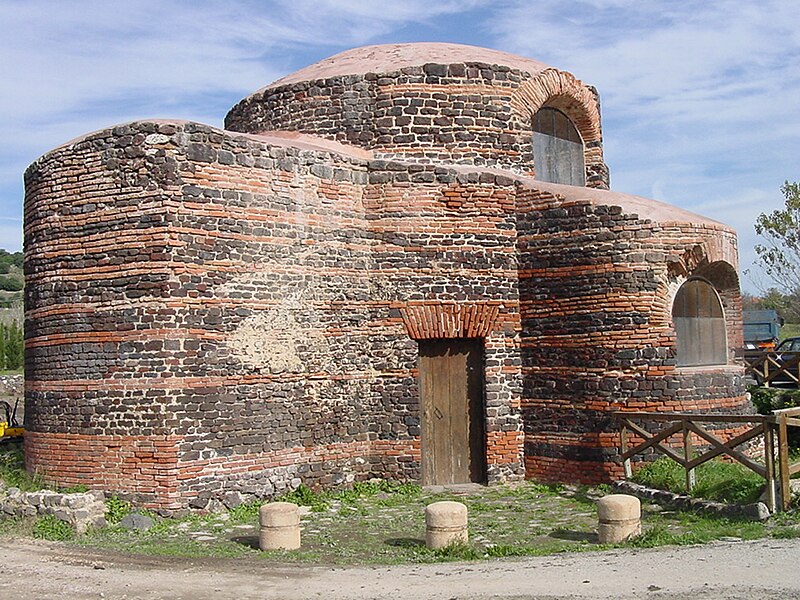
(698, 98)
(61, 55)
(73, 67)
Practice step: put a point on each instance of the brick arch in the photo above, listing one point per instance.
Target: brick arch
(723, 278)
(721, 274)
(435, 320)
(681, 266)
(561, 90)
(702, 260)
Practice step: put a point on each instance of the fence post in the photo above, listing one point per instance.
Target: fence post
(766, 371)
(783, 461)
(769, 463)
(687, 456)
(623, 446)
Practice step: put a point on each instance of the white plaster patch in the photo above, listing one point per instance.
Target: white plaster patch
(272, 339)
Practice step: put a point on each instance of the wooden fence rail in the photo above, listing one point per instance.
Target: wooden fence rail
(774, 369)
(773, 427)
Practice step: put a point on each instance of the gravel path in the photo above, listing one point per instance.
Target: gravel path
(765, 569)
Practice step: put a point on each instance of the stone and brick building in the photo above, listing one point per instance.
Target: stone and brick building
(402, 261)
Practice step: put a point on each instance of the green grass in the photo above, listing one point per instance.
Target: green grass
(686, 528)
(12, 469)
(374, 522)
(716, 480)
(790, 330)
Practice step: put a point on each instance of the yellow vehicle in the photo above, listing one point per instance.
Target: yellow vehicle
(9, 429)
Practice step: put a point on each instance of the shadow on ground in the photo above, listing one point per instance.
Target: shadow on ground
(247, 540)
(405, 542)
(575, 536)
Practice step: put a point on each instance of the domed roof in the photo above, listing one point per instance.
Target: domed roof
(385, 58)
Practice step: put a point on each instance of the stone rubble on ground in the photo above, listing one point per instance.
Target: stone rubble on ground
(81, 510)
(757, 511)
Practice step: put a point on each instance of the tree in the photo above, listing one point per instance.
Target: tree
(779, 255)
(14, 346)
(11, 346)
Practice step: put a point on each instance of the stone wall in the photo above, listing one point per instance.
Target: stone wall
(212, 312)
(446, 256)
(262, 339)
(596, 290)
(97, 235)
(81, 510)
(202, 336)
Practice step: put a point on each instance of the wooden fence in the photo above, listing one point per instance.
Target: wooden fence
(773, 428)
(774, 369)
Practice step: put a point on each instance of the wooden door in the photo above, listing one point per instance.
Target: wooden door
(451, 398)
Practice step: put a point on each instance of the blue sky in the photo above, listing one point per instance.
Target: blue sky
(700, 99)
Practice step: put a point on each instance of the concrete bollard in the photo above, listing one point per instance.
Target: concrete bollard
(620, 518)
(280, 526)
(445, 524)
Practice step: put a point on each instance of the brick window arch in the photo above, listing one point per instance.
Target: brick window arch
(699, 325)
(557, 148)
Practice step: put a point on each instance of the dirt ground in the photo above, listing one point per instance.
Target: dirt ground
(764, 569)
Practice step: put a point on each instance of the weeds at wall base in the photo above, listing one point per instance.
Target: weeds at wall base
(49, 527)
(13, 473)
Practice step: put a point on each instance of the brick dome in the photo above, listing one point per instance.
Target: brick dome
(386, 58)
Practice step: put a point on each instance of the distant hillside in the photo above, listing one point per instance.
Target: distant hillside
(11, 278)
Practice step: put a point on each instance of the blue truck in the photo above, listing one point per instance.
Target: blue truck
(761, 330)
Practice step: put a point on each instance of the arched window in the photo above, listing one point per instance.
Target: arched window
(557, 148)
(699, 325)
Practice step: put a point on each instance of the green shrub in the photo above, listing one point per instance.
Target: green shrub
(11, 346)
(768, 399)
(10, 258)
(48, 527)
(116, 509)
(11, 283)
(662, 474)
(245, 512)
